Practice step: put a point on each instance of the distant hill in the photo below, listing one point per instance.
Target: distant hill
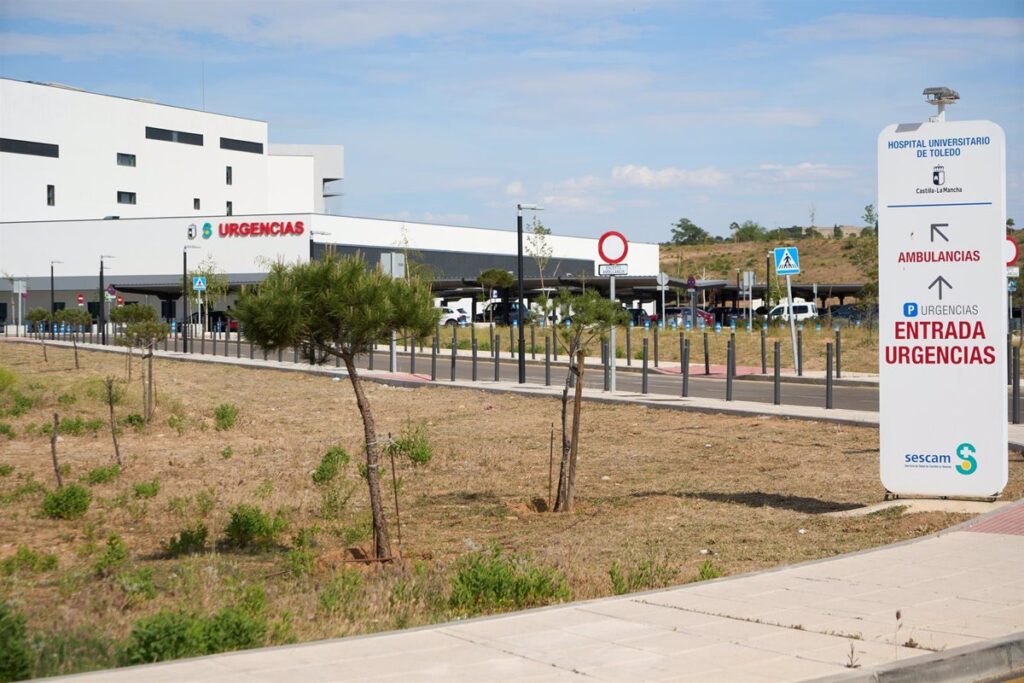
(821, 260)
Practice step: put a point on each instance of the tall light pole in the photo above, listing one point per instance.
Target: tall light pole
(184, 295)
(519, 314)
(311, 233)
(103, 303)
(52, 311)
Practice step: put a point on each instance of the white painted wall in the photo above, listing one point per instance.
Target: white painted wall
(328, 166)
(281, 188)
(91, 129)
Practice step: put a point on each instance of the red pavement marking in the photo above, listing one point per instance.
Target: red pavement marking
(1010, 523)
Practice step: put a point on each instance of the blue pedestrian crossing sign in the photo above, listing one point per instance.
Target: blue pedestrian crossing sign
(787, 261)
(199, 283)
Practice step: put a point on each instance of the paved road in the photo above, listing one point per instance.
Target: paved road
(850, 398)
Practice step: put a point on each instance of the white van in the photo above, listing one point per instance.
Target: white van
(802, 310)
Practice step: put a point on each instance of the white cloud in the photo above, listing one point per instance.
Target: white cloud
(668, 177)
(874, 27)
(803, 172)
(514, 189)
(474, 182)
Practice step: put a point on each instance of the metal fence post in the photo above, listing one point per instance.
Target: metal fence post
(280, 355)
(686, 368)
(202, 343)
(238, 342)
(455, 347)
(1016, 385)
(839, 354)
(604, 364)
(764, 353)
(433, 358)
(497, 359)
(412, 357)
(214, 343)
(1009, 358)
(707, 357)
(643, 383)
(472, 345)
(800, 353)
(547, 361)
(533, 341)
(729, 357)
(656, 335)
(393, 354)
(490, 330)
(828, 376)
(629, 345)
(369, 357)
(295, 354)
(777, 380)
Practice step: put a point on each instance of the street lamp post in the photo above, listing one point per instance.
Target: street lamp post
(52, 311)
(519, 314)
(103, 303)
(311, 233)
(184, 295)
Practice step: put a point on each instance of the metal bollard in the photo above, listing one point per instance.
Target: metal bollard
(799, 353)
(264, 354)
(280, 355)
(214, 343)
(604, 364)
(238, 343)
(686, 368)
(337, 360)
(393, 354)
(1009, 358)
(202, 344)
(629, 345)
(512, 342)
(533, 341)
(369, 357)
(656, 335)
(828, 376)
(433, 358)
(412, 357)
(455, 349)
(777, 383)
(175, 343)
(295, 354)
(497, 359)
(490, 330)
(707, 357)
(839, 354)
(1016, 385)
(554, 342)
(643, 383)
(547, 361)
(472, 344)
(764, 353)
(730, 352)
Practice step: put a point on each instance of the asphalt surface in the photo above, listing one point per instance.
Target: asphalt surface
(845, 397)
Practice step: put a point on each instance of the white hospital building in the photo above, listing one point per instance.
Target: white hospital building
(85, 175)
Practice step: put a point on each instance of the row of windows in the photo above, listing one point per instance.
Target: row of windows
(197, 139)
(130, 198)
(39, 149)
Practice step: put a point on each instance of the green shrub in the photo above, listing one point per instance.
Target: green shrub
(72, 650)
(227, 452)
(489, 580)
(26, 560)
(6, 470)
(332, 463)
(224, 416)
(708, 570)
(7, 379)
(341, 591)
(101, 475)
(114, 556)
(147, 489)
(6, 430)
(413, 444)
(16, 404)
(137, 585)
(69, 502)
(66, 399)
(133, 420)
(177, 423)
(205, 501)
(300, 561)
(172, 635)
(644, 575)
(189, 541)
(15, 653)
(250, 527)
(74, 426)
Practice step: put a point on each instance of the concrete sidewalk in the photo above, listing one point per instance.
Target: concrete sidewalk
(959, 597)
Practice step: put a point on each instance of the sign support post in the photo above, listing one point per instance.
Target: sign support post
(787, 262)
(613, 265)
(611, 340)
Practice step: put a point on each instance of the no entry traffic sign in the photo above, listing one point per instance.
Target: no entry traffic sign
(612, 247)
(942, 308)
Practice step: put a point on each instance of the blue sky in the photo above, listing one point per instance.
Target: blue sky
(625, 115)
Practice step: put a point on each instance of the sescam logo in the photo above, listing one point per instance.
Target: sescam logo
(966, 453)
(938, 185)
(192, 231)
(207, 231)
(944, 461)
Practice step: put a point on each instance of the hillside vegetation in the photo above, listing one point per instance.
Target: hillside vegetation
(821, 260)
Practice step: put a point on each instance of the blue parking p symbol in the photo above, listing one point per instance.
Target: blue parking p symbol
(910, 310)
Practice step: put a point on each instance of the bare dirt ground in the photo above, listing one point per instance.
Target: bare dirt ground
(669, 489)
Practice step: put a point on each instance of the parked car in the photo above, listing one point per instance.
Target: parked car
(452, 316)
(639, 316)
(681, 314)
(219, 320)
(802, 310)
(500, 315)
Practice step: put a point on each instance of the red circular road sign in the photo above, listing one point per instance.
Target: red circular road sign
(80, 298)
(1014, 249)
(612, 235)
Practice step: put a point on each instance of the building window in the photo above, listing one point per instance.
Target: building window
(125, 197)
(125, 159)
(51, 196)
(227, 174)
(174, 136)
(39, 149)
(241, 145)
(230, 210)
(195, 204)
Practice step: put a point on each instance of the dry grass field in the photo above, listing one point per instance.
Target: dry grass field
(663, 497)
(821, 260)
